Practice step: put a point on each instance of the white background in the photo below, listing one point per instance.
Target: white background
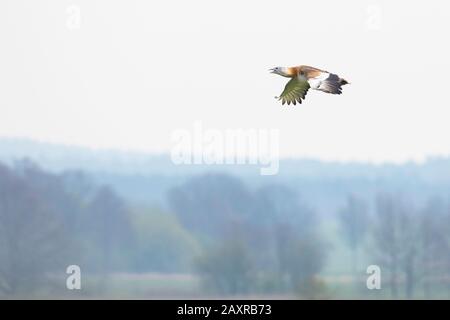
(135, 71)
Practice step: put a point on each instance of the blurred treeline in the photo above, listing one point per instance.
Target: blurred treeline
(237, 238)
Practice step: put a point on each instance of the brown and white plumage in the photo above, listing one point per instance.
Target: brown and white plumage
(303, 78)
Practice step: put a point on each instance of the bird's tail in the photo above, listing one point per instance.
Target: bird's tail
(332, 84)
(343, 82)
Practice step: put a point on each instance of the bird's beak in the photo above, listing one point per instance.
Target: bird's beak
(272, 70)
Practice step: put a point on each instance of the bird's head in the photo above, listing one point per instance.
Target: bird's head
(280, 71)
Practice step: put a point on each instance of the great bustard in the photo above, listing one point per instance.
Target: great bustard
(305, 77)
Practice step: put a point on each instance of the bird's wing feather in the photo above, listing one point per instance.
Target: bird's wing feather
(294, 91)
(327, 82)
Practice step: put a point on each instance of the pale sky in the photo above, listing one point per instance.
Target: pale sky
(136, 71)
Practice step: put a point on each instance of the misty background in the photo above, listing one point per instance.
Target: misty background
(91, 92)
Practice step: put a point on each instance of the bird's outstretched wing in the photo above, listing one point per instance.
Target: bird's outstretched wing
(295, 91)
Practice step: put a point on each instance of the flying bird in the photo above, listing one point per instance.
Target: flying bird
(305, 77)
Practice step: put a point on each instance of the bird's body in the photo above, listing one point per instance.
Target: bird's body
(305, 77)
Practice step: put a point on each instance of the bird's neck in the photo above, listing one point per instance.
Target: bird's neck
(290, 72)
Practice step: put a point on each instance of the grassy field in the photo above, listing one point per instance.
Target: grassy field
(184, 286)
(338, 282)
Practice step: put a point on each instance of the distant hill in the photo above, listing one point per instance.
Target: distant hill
(145, 178)
(56, 157)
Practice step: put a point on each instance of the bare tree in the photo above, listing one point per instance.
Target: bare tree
(435, 245)
(394, 234)
(32, 241)
(227, 267)
(207, 203)
(109, 227)
(353, 221)
(301, 256)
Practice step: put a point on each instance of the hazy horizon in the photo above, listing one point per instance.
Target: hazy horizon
(18, 142)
